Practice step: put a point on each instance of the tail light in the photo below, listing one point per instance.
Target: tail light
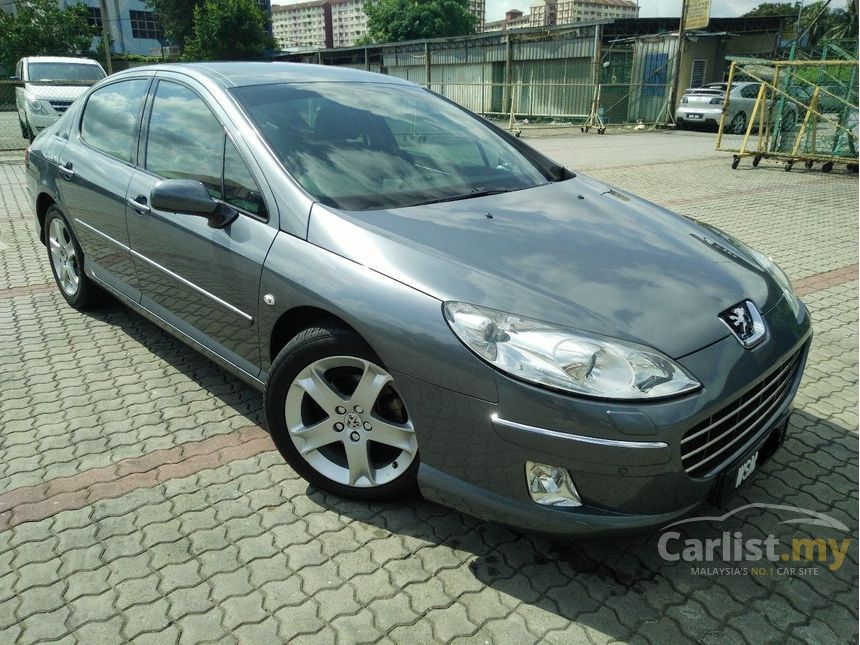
(716, 101)
(27, 157)
(684, 100)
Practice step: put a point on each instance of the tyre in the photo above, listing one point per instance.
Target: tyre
(336, 416)
(738, 124)
(67, 262)
(25, 131)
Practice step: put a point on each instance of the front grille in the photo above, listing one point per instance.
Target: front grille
(709, 443)
(60, 106)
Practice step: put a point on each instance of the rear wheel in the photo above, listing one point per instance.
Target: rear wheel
(738, 124)
(336, 416)
(67, 262)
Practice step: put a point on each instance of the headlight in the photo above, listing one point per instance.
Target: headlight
(36, 106)
(566, 360)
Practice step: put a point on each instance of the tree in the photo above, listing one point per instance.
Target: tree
(228, 30)
(774, 9)
(398, 20)
(176, 17)
(42, 28)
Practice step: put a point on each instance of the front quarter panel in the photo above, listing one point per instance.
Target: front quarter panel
(404, 327)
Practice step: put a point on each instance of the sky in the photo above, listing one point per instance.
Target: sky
(719, 8)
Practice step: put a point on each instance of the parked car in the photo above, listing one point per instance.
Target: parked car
(423, 299)
(704, 105)
(44, 96)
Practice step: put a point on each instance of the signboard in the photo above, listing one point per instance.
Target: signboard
(698, 14)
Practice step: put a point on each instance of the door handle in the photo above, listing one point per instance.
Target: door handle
(66, 171)
(138, 204)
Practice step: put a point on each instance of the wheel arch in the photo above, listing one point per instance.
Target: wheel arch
(293, 321)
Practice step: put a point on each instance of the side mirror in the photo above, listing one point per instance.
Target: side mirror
(190, 198)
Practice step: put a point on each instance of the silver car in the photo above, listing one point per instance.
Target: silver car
(704, 106)
(425, 301)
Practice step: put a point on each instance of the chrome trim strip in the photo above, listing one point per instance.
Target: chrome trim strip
(772, 380)
(173, 275)
(103, 235)
(193, 286)
(596, 441)
(776, 394)
(779, 401)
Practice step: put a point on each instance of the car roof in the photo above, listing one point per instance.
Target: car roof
(60, 59)
(266, 73)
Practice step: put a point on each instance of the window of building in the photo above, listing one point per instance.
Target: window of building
(144, 24)
(94, 19)
(697, 73)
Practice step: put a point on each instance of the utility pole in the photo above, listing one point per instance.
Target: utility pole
(106, 36)
(679, 52)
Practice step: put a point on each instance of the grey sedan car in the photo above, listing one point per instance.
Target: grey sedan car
(425, 301)
(705, 105)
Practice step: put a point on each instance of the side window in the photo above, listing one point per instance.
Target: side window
(240, 189)
(749, 91)
(110, 117)
(185, 140)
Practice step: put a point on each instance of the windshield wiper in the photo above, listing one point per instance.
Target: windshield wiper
(476, 192)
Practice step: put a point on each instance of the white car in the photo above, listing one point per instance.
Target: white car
(45, 95)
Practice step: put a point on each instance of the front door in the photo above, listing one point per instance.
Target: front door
(204, 281)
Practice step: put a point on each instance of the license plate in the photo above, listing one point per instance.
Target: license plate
(693, 116)
(745, 470)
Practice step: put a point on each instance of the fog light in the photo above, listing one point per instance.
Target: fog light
(551, 485)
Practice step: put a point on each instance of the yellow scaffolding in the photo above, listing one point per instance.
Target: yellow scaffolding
(827, 133)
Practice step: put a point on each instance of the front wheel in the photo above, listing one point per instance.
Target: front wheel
(337, 417)
(67, 262)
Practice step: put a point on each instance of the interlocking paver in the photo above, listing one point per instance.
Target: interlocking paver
(184, 525)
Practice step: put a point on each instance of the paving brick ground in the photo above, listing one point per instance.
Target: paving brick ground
(140, 499)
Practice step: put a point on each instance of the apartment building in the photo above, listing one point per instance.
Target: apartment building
(545, 13)
(332, 23)
(348, 22)
(306, 24)
(514, 19)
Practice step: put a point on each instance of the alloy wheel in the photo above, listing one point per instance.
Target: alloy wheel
(64, 257)
(348, 422)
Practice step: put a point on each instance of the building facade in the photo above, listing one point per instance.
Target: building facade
(306, 24)
(332, 23)
(547, 13)
(348, 22)
(514, 19)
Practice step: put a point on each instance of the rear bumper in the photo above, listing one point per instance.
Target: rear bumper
(698, 115)
(625, 460)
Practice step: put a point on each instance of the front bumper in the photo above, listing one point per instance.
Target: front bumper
(625, 459)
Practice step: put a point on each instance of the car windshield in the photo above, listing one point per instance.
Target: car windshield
(64, 72)
(362, 146)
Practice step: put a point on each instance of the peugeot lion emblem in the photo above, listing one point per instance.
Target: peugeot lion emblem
(745, 322)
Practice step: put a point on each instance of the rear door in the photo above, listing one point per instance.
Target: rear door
(95, 168)
(201, 280)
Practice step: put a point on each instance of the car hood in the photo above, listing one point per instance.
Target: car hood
(55, 92)
(577, 253)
